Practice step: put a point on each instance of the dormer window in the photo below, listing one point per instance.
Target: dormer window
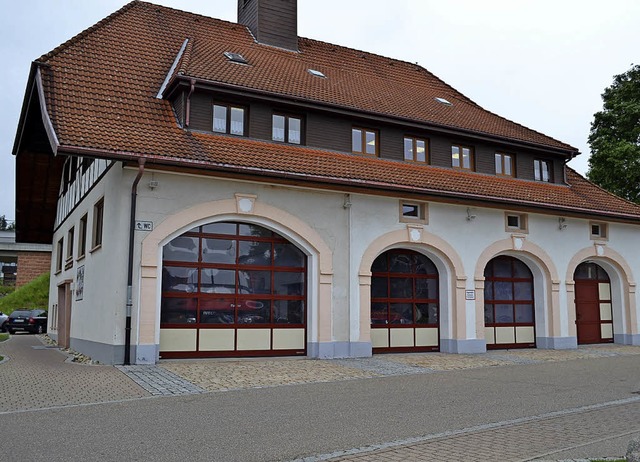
(462, 157)
(364, 141)
(542, 170)
(415, 149)
(504, 164)
(228, 119)
(287, 129)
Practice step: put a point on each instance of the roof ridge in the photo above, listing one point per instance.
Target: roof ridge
(79, 36)
(584, 178)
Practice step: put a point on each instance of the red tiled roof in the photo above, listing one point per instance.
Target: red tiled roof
(101, 85)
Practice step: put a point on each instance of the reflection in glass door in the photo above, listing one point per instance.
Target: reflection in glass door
(232, 289)
(404, 303)
(509, 315)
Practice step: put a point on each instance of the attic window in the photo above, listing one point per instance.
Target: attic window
(316, 73)
(235, 57)
(444, 101)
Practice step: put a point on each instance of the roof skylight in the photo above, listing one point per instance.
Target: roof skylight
(316, 73)
(444, 101)
(235, 57)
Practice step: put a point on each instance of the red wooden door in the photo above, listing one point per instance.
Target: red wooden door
(587, 311)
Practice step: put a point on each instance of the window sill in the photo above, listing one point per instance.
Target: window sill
(68, 264)
(96, 248)
(58, 271)
(80, 258)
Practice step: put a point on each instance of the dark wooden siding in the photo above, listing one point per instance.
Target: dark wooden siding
(273, 22)
(201, 117)
(178, 107)
(333, 131)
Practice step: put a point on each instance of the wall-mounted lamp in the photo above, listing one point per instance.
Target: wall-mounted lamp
(153, 184)
(347, 201)
(562, 225)
(471, 214)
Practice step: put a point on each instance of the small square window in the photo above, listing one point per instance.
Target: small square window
(598, 230)
(413, 212)
(516, 222)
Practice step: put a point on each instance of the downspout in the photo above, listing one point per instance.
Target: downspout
(187, 117)
(132, 224)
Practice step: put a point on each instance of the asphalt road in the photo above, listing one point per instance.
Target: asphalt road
(286, 422)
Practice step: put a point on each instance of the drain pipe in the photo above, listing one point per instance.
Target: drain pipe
(132, 225)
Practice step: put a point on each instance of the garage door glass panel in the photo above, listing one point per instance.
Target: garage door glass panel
(220, 228)
(218, 251)
(288, 255)
(179, 279)
(217, 311)
(288, 283)
(401, 288)
(426, 313)
(179, 310)
(400, 264)
(379, 287)
(181, 249)
(254, 312)
(217, 281)
(523, 291)
(254, 253)
(504, 314)
(288, 312)
(401, 313)
(257, 282)
(524, 313)
(379, 313)
(426, 288)
(503, 290)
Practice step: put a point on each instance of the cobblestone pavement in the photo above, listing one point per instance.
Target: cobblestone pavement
(35, 376)
(532, 438)
(159, 381)
(222, 375)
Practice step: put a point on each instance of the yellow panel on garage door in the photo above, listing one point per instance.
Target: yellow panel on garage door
(217, 339)
(288, 339)
(427, 336)
(380, 338)
(254, 339)
(178, 339)
(505, 335)
(401, 338)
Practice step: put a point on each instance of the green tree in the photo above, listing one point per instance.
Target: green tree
(615, 138)
(6, 225)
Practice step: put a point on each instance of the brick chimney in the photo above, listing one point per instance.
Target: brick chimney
(272, 22)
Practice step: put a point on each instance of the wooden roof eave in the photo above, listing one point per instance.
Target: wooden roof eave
(34, 85)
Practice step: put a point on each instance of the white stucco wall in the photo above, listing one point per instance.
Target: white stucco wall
(348, 232)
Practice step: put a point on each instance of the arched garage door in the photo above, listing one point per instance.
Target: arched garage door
(404, 303)
(594, 316)
(232, 289)
(509, 314)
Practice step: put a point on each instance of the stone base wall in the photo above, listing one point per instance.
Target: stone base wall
(31, 265)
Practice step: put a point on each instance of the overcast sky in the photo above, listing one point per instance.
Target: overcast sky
(541, 63)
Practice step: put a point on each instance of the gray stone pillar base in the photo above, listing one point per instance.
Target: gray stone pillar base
(328, 350)
(557, 343)
(472, 346)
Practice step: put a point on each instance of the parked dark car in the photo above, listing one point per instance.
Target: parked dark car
(34, 321)
(3, 320)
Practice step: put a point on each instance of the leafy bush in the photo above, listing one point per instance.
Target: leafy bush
(6, 290)
(32, 295)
